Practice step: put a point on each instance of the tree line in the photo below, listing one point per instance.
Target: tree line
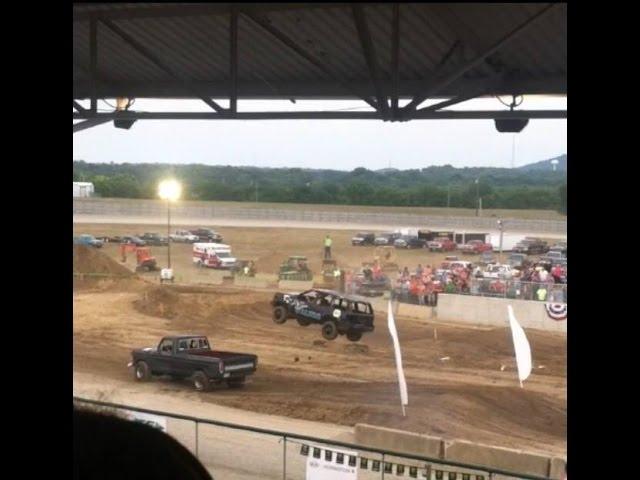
(432, 186)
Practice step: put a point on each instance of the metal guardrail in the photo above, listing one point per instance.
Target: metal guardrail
(151, 208)
(297, 438)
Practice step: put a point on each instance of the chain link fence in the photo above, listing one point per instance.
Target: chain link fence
(153, 208)
(231, 451)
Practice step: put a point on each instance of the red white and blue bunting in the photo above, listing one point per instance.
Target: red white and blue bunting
(556, 311)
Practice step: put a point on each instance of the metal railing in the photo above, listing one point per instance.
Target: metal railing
(152, 208)
(437, 467)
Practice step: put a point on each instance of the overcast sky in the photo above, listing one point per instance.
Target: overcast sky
(337, 144)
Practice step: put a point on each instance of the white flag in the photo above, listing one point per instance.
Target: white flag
(404, 397)
(521, 347)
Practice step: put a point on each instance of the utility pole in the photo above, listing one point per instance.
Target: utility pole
(500, 228)
(477, 197)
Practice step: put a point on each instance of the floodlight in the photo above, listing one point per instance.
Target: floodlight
(169, 190)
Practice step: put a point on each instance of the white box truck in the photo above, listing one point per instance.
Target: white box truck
(213, 255)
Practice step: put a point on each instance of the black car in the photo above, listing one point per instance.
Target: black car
(154, 239)
(362, 239)
(338, 314)
(191, 356)
(207, 235)
(409, 242)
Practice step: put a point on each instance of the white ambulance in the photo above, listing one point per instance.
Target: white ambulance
(213, 255)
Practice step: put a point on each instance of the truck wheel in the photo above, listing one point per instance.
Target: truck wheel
(329, 330)
(236, 382)
(354, 336)
(141, 372)
(201, 382)
(280, 315)
(303, 322)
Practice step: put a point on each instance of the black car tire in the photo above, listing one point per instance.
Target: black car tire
(279, 315)
(329, 330)
(236, 382)
(303, 322)
(141, 372)
(201, 382)
(354, 336)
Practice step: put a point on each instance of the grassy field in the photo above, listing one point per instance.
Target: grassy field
(432, 211)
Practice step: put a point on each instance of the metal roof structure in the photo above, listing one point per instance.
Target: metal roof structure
(378, 53)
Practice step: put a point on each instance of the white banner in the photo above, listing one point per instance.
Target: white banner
(333, 467)
(402, 384)
(154, 421)
(521, 347)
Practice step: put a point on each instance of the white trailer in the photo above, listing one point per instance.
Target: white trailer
(83, 189)
(509, 240)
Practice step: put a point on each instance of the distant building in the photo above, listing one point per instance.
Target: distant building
(83, 189)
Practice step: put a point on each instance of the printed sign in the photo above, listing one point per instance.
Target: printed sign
(332, 467)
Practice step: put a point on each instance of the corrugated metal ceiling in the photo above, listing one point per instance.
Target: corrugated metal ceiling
(434, 38)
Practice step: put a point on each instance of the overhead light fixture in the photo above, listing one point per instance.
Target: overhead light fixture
(511, 125)
(122, 105)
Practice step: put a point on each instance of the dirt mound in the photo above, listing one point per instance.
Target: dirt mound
(160, 302)
(89, 260)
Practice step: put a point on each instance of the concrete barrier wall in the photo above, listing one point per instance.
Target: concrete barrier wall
(398, 441)
(460, 451)
(294, 285)
(475, 310)
(493, 312)
(497, 457)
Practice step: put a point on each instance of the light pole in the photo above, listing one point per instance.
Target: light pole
(500, 228)
(170, 191)
(477, 196)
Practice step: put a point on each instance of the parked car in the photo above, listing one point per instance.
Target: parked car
(206, 235)
(154, 239)
(516, 260)
(409, 242)
(386, 238)
(441, 244)
(132, 239)
(487, 257)
(88, 240)
(191, 357)
(183, 236)
(498, 271)
(362, 239)
(532, 246)
(338, 314)
(475, 247)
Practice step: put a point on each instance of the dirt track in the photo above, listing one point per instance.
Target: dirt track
(301, 376)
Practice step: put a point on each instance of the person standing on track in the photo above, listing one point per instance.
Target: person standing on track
(327, 247)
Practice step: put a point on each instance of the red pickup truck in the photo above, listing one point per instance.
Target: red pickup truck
(441, 244)
(475, 247)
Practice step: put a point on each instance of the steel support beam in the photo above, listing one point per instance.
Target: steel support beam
(368, 49)
(303, 53)
(191, 10)
(145, 52)
(92, 122)
(442, 82)
(78, 107)
(340, 115)
(491, 83)
(395, 58)
(233, 60)
(93, 63)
